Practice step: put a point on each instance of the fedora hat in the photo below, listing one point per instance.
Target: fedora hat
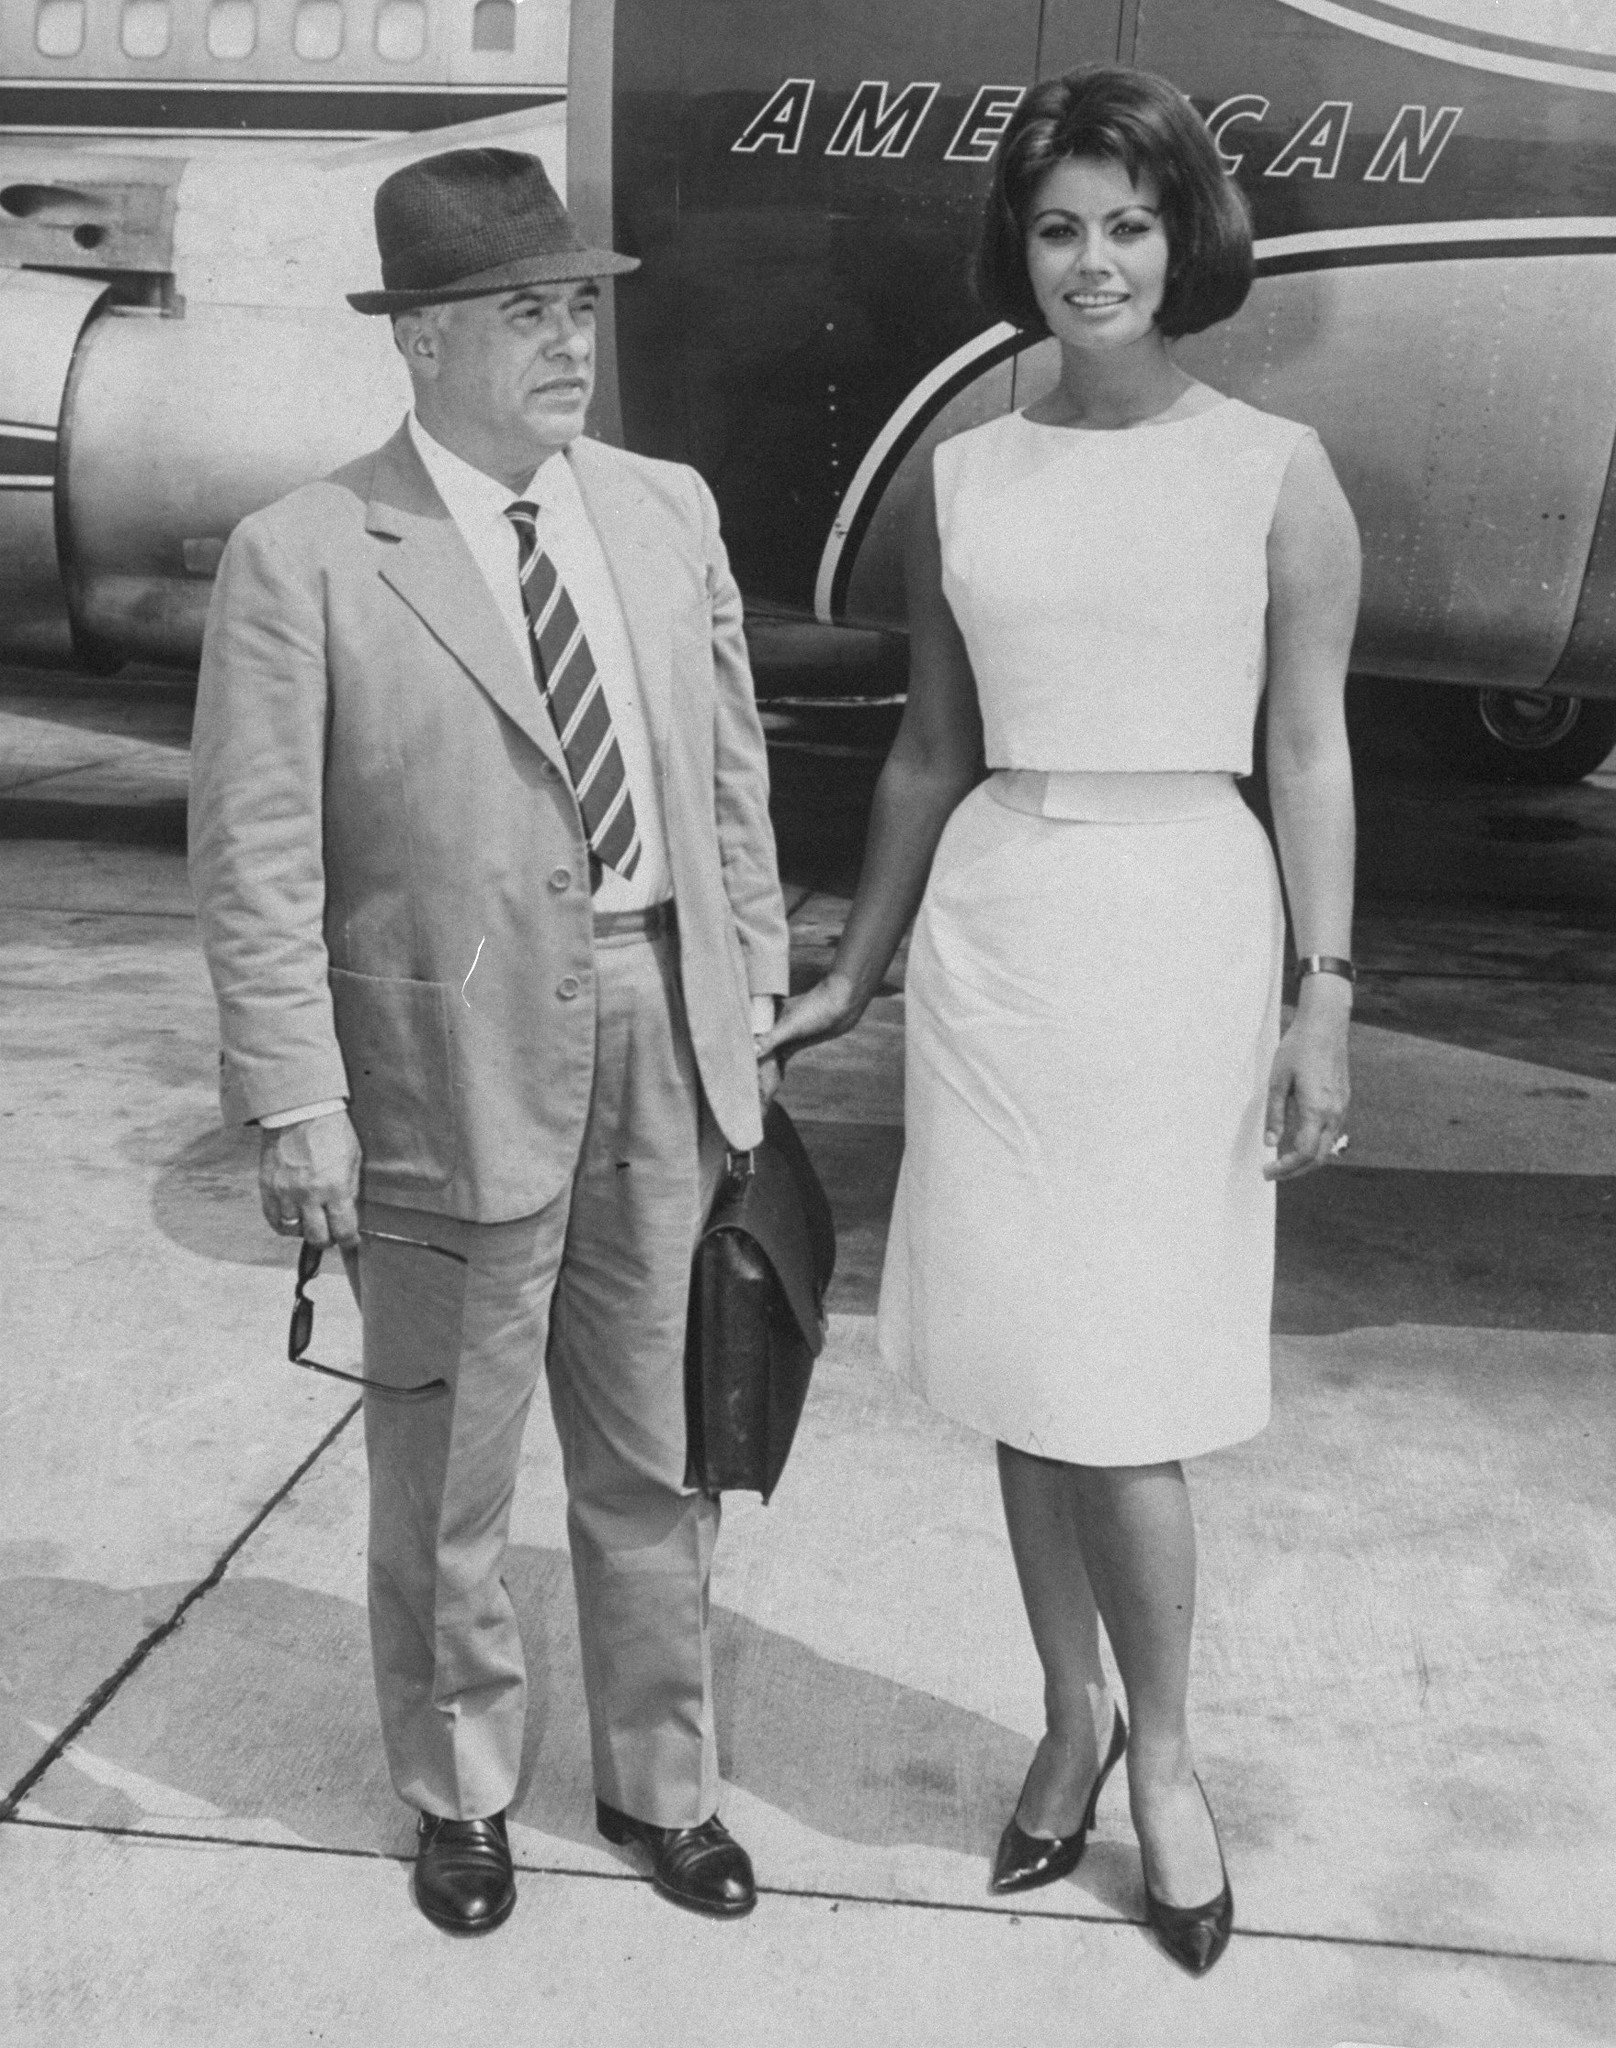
(472, 222)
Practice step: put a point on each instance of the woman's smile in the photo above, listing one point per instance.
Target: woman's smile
(1097, 252)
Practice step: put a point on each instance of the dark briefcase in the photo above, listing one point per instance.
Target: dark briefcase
(757, 1313)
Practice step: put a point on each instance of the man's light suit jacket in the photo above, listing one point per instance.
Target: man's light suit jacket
(390, 868)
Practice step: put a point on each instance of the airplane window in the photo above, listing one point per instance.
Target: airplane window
(317, 33)
(145, 28)
(493, 25)
(401, 30)
(59, 28)
(232, 29)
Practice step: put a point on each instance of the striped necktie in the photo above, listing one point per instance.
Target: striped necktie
(566, 674)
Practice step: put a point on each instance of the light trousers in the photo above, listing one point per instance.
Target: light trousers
(594, 1288)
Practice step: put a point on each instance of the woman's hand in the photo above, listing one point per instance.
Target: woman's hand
(825, 1011)
(1308, 1090)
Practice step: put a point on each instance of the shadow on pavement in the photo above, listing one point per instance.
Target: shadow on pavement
(260, 1710)
(161, 823)
(1368, 1247)
(205, 1200)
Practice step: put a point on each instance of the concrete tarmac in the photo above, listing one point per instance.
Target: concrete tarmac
(1403, 1676)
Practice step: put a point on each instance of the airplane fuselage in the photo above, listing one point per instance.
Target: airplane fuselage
(1435, 205)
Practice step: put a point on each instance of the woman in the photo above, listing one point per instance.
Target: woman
(1097, 1098)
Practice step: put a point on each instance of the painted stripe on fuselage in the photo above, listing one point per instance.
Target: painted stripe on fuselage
(892, 444)
(1478, 49)
(181, 111)
(1278, 256)
(1435, 241)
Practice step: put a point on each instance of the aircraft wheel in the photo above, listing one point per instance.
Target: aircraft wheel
(1512, 735)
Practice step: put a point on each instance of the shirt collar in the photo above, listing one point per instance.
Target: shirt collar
(470, 492)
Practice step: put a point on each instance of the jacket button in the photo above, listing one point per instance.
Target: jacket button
(567, 987)
(560, 878)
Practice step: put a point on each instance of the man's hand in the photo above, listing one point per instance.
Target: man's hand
(308, 1179)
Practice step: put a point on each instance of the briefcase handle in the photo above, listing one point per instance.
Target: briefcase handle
(752, 1195)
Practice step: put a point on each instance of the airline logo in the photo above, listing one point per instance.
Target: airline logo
(882, 120)
(1408, 151)
(878, 120)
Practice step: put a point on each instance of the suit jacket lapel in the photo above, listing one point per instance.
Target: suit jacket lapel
(628, 540)
(435, 574)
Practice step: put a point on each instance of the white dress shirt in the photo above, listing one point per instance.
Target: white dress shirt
(477, 504)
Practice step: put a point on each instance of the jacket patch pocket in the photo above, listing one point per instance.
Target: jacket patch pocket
(396, 1046)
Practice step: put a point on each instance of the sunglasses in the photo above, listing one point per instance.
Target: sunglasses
(302, 1330)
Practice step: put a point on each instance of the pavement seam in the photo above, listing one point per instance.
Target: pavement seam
(33, 780)
(111, 1686)
(93, 910)
(780, 1891)
(1370, 973)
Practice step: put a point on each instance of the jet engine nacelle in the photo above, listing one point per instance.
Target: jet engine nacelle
(41, 320)
(175, 429)
(149, 437)
(201, 363)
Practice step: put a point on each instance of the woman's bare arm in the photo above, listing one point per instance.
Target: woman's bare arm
(935, 760)
(1313, 577)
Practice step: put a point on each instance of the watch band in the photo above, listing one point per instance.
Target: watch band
(1326, 963)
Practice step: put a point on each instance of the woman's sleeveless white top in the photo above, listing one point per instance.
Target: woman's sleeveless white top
(1112, 587)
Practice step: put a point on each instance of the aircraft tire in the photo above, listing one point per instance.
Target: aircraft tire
(1512, 735)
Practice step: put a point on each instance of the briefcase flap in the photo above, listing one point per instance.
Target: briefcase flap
(781, 1205)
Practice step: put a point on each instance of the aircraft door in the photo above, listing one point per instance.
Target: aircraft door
(860, 577)
(803, 186)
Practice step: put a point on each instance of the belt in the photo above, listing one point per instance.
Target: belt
(1115, 796)
(657, 922)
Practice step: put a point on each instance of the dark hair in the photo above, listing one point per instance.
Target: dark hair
(1139, 121)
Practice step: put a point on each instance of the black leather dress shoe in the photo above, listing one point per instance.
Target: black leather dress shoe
(703, 1868)
(1195, 1936)
(1024, 1861)
(463, 1875)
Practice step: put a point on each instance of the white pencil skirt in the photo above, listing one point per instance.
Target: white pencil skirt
(1081, 1256)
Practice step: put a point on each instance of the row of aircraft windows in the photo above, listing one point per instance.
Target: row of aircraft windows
(318, 26)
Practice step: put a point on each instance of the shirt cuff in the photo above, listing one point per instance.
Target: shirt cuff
(764, 1011)
(278, 1119)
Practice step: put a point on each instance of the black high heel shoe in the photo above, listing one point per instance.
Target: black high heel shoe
(1195, 1936)
(1025, 1862)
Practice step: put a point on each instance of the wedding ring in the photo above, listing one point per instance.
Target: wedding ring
(1340, 1145)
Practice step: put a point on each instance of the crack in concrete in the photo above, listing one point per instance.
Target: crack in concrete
(32, 781)
(782, 1891)
(109, 1687)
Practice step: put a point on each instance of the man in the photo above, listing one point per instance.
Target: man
(482, 856)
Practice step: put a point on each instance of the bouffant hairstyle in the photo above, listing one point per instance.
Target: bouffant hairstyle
(1139, 121)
